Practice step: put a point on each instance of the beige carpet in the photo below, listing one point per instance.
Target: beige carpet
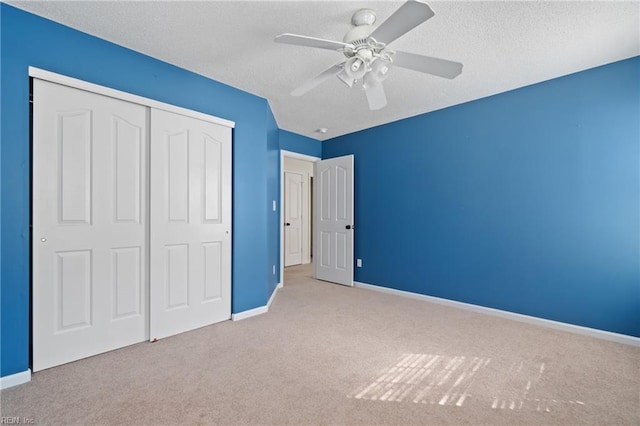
(327, 354)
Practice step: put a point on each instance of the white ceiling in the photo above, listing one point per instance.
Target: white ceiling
(502, 44)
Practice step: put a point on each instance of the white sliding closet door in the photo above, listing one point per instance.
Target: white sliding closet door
(190, 250)
(89, 226)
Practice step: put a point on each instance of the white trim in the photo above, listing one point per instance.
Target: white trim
(259, 310)
(250, 313)
(273, 295)
(289, 154)
(577, 329)
(299, 156)
(107, 91)
(15, 379)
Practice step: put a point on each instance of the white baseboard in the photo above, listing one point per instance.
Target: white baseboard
(249, 313)
(577, 329)
(273, 295)
(15, 379)
(259, 310)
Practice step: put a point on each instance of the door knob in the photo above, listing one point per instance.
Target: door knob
(348, 227)
(287, 224)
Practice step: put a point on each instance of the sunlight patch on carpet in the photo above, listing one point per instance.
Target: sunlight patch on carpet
(426, 379)
(520, 390)
(453, 380)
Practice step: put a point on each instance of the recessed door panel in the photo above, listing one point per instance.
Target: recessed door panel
(293, 242)
(212, 180)
(326, 257)
(294, 198)
(73, 293)
(127, 281)
(341, 250)
(177, 277)
(127, 149)
(74, 159)
(213, 262)
(178, 176)
(342, 205)
(324, 191)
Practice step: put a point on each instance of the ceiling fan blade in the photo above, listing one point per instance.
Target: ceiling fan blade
(407, 17)
(375, 96)
(427, 64)
(307, 41)
(310, 84)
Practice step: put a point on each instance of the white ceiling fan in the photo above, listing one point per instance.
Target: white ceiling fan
(368, 58)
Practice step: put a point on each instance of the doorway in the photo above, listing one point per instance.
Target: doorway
(296, 180)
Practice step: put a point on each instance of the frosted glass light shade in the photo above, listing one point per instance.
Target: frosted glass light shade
(355, 68)
(380, 68)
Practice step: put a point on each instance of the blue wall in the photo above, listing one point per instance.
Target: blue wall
(301, 144)
(527, 201)
(28, 40)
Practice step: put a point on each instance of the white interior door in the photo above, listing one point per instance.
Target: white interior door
(89, 227)
(190, 249)
(333, 220)
(293, 218)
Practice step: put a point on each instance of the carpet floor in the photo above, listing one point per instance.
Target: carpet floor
(328, 354)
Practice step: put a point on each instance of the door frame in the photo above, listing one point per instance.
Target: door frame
(297, 156)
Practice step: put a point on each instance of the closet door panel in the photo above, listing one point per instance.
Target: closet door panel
(190, 237)
(89, 227)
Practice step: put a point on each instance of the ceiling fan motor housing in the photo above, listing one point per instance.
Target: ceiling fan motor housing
(363, 21)
(357, 36)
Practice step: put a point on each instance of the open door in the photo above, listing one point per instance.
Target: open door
(333, 218)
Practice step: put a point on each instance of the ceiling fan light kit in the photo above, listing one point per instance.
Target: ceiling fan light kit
(369, 61)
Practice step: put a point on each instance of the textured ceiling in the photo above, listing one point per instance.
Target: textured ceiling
(503, 45)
